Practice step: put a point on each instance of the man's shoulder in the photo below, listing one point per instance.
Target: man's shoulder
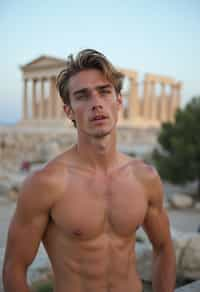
(145, 171)
(148, 176)
(48, 182)
(56, 171)
(46, 178)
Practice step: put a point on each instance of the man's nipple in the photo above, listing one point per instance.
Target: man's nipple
(77, 233)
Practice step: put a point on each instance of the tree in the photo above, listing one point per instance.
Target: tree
(178, 159)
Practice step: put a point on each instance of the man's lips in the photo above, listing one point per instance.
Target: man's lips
(98, 118)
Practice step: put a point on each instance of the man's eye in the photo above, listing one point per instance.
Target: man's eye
(81, 97)
(105, 91)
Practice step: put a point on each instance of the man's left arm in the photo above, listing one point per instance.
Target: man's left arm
(156, 225)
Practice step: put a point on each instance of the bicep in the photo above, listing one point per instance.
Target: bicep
(156, 222)
(27, 226)
(24, 238)
(156, 225)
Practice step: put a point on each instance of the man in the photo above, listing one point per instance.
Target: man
(86, 204)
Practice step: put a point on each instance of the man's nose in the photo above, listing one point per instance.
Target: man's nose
(97, 106)
(96, 102)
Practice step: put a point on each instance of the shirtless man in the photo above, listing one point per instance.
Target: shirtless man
(86, 204)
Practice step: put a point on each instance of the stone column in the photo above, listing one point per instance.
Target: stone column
(133, 101)
(162, 104)
(49, 105)
(145, 100)
(171, 103)
(178, 94)
(34, 99)
(58, 103)
(42, 100)
(51, 99)
(54, 98)
(154, 104)
(25, 101)
(168, 104)
(175, 100)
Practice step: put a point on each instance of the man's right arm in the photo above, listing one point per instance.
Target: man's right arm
(26, 231)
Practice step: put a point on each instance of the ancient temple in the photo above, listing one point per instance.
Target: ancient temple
(148, 102)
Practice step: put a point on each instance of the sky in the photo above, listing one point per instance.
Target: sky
(161, 37)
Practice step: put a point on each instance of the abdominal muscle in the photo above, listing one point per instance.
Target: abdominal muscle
(102, 264)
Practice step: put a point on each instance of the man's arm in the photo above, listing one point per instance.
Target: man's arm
(156, 225)
(25, 232)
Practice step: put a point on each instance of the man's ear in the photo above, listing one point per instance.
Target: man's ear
(69, 112)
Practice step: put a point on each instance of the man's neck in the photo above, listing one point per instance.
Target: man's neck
(99, 153)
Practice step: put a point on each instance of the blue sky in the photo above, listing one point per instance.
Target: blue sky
(148, 36)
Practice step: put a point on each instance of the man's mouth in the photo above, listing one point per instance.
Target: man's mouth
(99, 118)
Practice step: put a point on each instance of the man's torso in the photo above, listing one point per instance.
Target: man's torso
(90, 236)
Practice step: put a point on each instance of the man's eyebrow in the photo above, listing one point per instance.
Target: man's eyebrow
(82, 90)
(99, 87)
(104, 86)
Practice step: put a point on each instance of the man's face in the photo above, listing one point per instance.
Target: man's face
(94, 103)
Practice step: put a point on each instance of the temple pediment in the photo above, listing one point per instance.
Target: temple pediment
(43, 62)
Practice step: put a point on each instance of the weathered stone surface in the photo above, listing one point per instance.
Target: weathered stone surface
(187, 247)
(48, 151)
(180, 201)
(4, 188)
(187, 250)
(13, 195)
(16, 180)
(144, 261)
(191, 258)
(197, 206)
(40, 266)
(10, 184)
(23, 144)
(141, 236)
(166, 204)
(179, 246)
(192, 287)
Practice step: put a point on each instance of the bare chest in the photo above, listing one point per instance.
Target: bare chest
(97, 205)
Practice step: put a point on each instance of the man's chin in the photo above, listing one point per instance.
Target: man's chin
(101, 134)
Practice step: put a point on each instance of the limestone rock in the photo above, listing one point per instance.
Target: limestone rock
(48, 151)
(4, 188)
(17, 180)
(180, 241)
(144, 261)
(181, 201)
(10, 183)
(141, 236)
(191, 258)
(40, 266)
(13, 195)
(197, 206)
(187, 250)
(166, 204)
